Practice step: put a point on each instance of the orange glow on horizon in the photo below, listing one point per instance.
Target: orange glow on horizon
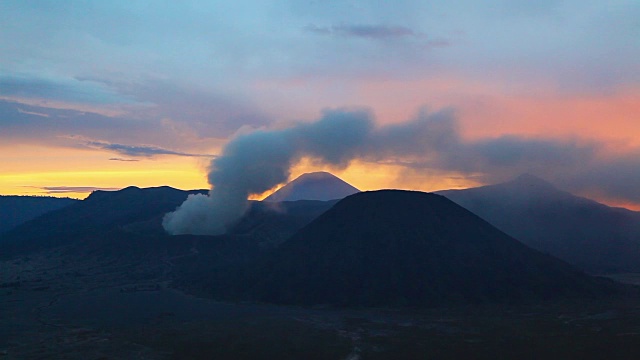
(187, 174)
(40, 167)
(368, 176)
(35, 183)
(483, 110)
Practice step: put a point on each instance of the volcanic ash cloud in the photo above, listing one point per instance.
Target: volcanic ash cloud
(256, 162)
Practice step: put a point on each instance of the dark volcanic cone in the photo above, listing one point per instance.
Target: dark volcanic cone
(390, 248)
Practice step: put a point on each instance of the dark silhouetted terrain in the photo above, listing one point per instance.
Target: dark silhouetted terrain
(100, 213)
(100, 279)
(313, 186)
(274, 223)
(136, 214)
(401, 248)
(15, 210)
(585, 233)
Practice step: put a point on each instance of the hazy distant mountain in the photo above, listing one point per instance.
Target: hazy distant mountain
(15, 210)
(392, 247)
(313, 186)
(583, 232)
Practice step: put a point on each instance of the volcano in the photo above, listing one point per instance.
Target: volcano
(406, 248)
(313, 186)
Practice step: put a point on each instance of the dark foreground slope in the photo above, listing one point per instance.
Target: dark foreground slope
(15, 210)
(401, 248)
(108, 295)
(313, 186)
(587, 234)
(273, 223)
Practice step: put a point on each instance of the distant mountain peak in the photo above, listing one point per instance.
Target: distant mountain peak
(528, 182)
(313, 186)
(317, 175)
(528, 178)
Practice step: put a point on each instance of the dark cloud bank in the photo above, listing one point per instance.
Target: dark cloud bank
(376, 33)
(72, 189)
(135, 150)
(256, 162)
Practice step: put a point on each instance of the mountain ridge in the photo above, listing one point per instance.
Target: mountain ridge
(100, 212)
(593, 236)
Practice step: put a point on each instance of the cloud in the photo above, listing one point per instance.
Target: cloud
(122, 107)
(575, 43)
(48, 125)
(205, 74)
(74, 90)
(438, 43)
(72, 189)
(256, 162)
(32, 113)
(41, 125)
(364, 31)
(615, 178)
(432, 141)
(137, 150)
(122, 159)
(208, 113)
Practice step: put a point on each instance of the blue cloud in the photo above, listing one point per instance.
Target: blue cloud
(364, 31)
(137, 150)
(60, 89)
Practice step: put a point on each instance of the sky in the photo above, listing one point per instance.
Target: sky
(108, 94)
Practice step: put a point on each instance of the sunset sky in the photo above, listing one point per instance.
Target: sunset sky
(107, 94)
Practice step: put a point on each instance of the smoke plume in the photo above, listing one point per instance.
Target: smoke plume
(256, 162)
